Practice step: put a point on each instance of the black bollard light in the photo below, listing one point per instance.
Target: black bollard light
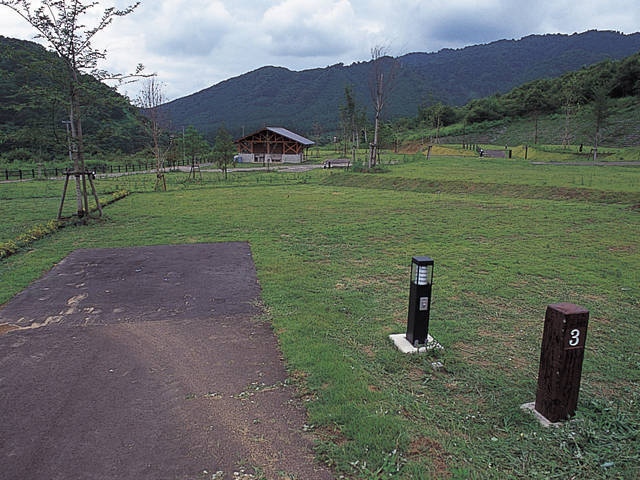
(419, 300)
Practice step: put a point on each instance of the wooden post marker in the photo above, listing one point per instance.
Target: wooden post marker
(563, 341)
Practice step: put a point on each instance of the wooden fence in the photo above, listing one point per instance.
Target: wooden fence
(42, 172)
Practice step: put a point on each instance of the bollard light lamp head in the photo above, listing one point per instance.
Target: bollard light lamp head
(422, 270)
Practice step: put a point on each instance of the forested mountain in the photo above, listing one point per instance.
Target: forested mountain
(482, 70)
(302, 100)
(487, 79)
(34, 107)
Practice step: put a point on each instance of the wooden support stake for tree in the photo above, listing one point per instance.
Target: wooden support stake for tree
(64, 194)
(85, 175)
(95, 194)
(160, 182)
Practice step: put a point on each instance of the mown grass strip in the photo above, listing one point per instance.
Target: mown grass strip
(478, 188)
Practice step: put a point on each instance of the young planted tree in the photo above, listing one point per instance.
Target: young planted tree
(347, 112)
(317, 135)
(352, 120)
(223, 150)
(534, 103)
(382, 78)
(63, 25)
(437, 116)
(150, 98)
(195, 147)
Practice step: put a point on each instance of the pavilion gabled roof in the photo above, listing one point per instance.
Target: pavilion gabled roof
(285, 133)
(289, 134)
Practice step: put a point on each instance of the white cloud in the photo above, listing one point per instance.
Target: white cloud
(302, 28)
(193, 44)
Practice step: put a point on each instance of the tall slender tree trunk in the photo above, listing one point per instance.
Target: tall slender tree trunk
(77, 149)
(373, 150)
(76, 142)
(378, 104)
(383, 74)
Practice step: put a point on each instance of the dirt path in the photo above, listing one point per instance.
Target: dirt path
(147, 363)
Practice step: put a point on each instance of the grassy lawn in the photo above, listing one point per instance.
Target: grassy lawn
(333, 251)
(522, 172)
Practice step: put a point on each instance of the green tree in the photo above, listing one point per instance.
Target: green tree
(437, 116)
(628, 83)
(192, 145)
(196, 145)
(483, 110)
(352, 121)
(224, 150)
(536, 102)
(63, 24)
(34, 107)
(30, 100)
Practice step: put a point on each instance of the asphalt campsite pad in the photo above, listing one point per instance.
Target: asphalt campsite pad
(147, 363)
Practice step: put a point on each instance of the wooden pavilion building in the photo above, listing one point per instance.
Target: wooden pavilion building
(272, 144)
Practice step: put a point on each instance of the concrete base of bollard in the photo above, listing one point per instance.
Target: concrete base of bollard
(402, 344)
(531, 407)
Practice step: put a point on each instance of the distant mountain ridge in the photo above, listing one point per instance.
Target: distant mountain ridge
(308, 101)
(504, 64)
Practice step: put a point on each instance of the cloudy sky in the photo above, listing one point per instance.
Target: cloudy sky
(193, 44)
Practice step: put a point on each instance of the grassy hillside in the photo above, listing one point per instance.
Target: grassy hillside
(621, 129)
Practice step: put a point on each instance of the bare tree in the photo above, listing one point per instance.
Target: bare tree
(63, 24)
(150, 98)
(382, 80)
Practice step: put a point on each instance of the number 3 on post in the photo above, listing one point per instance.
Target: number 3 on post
(573, 339)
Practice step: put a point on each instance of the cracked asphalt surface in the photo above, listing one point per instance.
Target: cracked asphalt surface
(147, 363)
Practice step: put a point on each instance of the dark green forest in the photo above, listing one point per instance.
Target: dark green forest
(34, 107)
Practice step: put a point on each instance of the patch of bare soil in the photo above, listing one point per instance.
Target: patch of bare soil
(429, 448)
(5, 327)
